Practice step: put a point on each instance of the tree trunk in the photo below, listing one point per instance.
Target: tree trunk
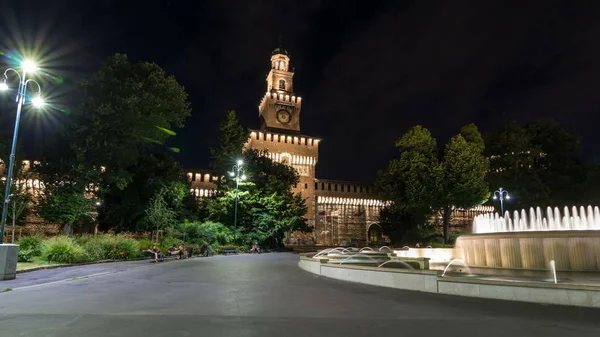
(446, 213)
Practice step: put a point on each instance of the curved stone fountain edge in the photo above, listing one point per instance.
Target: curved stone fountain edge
(429, 281)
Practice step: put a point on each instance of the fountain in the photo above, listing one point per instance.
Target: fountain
(363, 256)
(553, 269)
(529, 239)
(457, 260)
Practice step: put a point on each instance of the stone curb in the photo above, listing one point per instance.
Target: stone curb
(56, 266)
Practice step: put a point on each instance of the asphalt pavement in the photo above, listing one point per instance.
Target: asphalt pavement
(256, 295)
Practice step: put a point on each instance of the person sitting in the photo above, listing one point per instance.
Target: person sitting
(255, 248)
(176, 251)
(181, 252)
(158, 255)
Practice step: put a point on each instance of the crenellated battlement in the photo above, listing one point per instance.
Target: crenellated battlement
(283, 138)
(342, 188)
(352, 201)
(279, 97)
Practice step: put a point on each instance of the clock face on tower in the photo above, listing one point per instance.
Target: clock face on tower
(283, 116)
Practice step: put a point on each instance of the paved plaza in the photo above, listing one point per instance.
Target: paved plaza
(255, 295)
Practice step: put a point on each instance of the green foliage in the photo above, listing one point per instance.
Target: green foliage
(63, 249)
(266, 205)
(167, 242)
(418, 184)
(158, 213)
(24, 256)
(20, 199)
(109, 247)
(463, 183)
(64, 203)
(231, 141)
(538, 163)
(32, 244)
(125, 110)
(126, 107)
(145, 244)
(410, 182)
(206, 232)
(471, 134)
(158, 180)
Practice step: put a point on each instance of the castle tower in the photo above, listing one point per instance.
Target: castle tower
(280, 108)
(279, 133)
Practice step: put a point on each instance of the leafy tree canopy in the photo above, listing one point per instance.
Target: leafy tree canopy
(538, 163)
(126, 108)
(157, 180)
(418, 183)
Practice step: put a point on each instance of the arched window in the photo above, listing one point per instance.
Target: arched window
(281, 84)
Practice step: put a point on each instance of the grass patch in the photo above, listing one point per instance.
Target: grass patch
(36, 262)
(6, 290)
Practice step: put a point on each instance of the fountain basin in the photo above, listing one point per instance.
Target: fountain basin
(434, 254)
(572, 250)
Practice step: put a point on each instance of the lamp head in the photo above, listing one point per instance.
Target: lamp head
(495, 197)
(231, 174)
(38, 102)
(243, 177)
(507, 196)
(3, 86)
(28, 66)
(240, 162)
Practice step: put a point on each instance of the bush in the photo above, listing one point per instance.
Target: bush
(109, 247)
(145, 244)
(168, 242)
(63, 249)
(24, 256)
(31, 244)
(206, 232)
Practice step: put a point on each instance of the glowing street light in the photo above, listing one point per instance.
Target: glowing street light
(235, 172)
(38, 101)
(501, 194)
(27, 66)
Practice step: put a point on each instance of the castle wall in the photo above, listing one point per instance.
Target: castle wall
(298, 151)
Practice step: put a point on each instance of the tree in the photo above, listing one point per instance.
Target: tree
(154, 174)
(266, 205)
(410, 183)
(538, 163)
(126, 109)
(231, 142)
(418, 184)
(463, 177)
(159, 214)
(64, 203)
(20, 196)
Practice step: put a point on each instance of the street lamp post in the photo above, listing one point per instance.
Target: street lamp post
(235, 172)
(501, 194)
(26, 67)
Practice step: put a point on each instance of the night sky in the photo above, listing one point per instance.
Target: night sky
(366, 70)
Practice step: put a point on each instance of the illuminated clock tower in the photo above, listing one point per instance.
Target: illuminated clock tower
(280, 108)
(279, 133)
